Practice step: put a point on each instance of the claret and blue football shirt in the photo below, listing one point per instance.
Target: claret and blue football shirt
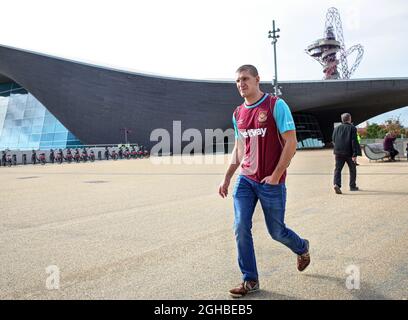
(260, 126)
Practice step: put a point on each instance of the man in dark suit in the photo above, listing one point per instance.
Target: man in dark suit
(345, 151)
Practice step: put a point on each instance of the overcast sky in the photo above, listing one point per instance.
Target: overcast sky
(207, 39)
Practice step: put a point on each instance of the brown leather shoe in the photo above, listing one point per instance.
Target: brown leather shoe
(244, 288)
(303, 260)
(337, 189)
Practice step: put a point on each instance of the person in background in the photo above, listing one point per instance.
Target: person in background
(345, 150)
(33, 157)
(406, 149)
(52, 156)
(106, 153)
(358, 148)
(388, 145)
(3, 158)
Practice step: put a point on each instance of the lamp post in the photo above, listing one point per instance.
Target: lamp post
(126, 130)
(273, 34)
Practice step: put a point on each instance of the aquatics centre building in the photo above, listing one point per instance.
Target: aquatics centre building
(50, 102)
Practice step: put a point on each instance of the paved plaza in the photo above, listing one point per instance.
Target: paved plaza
(132, 229)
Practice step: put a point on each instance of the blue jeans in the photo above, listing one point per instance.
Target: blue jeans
(273, 200)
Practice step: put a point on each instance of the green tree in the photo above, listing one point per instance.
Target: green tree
(394, 125)
(375, 131)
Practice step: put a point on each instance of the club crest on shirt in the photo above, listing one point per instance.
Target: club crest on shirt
(262, 116)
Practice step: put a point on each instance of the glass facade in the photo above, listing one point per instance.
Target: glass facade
(308, 131)
(25, 124)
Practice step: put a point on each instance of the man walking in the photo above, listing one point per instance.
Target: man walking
(265, 142)
(345, 151)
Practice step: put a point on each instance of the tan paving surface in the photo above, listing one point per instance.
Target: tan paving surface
(150, 231)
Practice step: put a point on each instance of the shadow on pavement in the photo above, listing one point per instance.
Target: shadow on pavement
(376, 193)
(266, 295)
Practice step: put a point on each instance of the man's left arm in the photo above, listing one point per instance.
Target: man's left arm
(287, 154)
(287, 129)
(354, 143)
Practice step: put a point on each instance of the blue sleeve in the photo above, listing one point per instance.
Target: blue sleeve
(235, 126)
(283, 117)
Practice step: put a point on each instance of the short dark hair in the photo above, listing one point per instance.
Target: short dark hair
(248, 67)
